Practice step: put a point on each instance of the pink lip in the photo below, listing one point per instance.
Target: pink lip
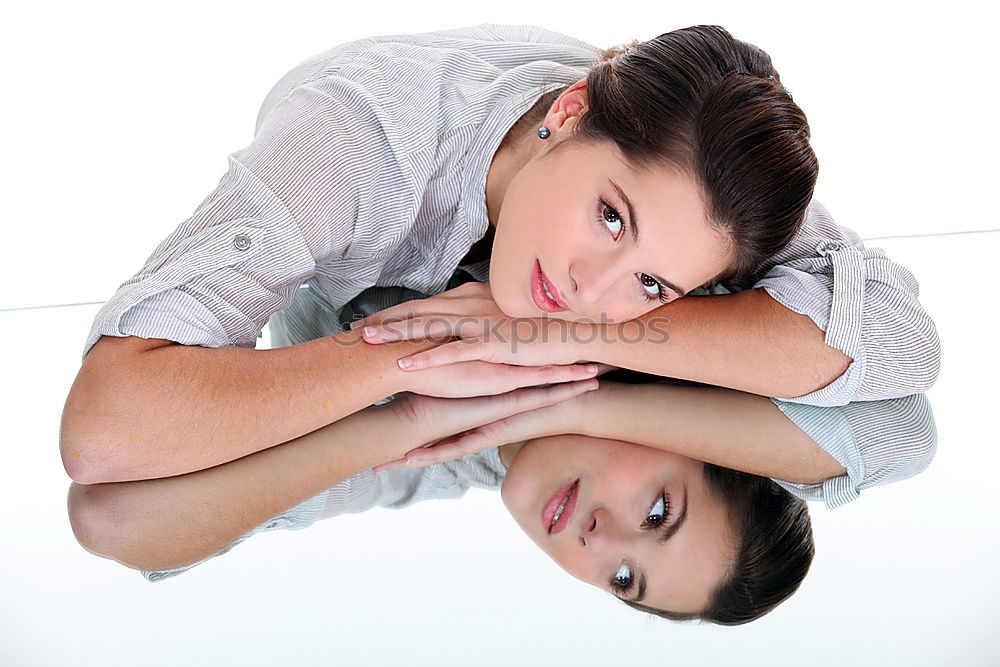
(539, 296)
(553, 505)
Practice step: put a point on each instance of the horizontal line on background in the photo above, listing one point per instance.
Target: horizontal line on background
(869, 238)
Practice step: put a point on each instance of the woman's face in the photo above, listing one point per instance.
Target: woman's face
(609, 254)
(618, 517)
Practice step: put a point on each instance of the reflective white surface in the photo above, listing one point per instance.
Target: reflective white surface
(907, 574)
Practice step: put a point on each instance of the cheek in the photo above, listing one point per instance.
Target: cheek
(622, 464)
(620, 313)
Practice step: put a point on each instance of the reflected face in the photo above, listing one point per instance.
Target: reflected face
(617, 516)
(611, 243)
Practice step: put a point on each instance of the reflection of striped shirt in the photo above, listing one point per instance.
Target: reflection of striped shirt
(365, 181)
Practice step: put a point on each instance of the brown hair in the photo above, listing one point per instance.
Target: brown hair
(775, 551)
(699, 100)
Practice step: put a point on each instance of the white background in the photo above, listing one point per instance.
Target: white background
(117, 119)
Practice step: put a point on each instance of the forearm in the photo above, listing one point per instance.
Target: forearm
(176, 409)
(745, 341)
(728, 428)
(164, 523)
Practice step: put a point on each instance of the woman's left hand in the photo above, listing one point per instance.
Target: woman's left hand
(485, 332)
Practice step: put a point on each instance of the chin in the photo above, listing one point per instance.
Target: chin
(510, 307)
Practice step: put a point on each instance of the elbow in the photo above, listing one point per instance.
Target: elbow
(76, 433)
(88, 451)
(918, 358)
(918, 446)
(908, 346)
(927, 364)
(101, 524)
(92, 517)
(71, 451)
(79, 460)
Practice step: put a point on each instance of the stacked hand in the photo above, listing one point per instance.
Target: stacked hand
(496, 353)
(469, 314)
(457, 427)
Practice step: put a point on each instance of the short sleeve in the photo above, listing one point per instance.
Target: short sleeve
(877, 442)
(320, 162)
(866, 304)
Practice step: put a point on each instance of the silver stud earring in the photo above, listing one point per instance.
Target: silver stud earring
(543, 132)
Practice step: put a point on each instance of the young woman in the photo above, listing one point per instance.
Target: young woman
(663, 532)
(599, 193)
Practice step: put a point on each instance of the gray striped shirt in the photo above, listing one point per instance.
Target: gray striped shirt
(364, 184)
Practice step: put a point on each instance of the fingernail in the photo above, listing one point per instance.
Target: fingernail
(371, 332)
(356, 323)
(405, 363)
(591, 368)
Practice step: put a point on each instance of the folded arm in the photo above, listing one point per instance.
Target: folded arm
(745, 341)
(827, 322)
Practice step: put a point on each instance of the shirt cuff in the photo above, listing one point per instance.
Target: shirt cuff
(835, 304)
(833, 433)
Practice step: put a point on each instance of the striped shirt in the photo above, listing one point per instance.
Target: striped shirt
(364, 185)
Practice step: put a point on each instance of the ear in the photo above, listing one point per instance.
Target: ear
(568, 107)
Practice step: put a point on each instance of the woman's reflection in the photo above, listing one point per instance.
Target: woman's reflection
(738, 543)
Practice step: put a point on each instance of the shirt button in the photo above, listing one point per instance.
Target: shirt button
(241, 241)
(827, 246)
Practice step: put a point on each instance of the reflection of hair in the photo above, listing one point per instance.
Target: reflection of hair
(772, 529)
(775, 549)
(714, 106)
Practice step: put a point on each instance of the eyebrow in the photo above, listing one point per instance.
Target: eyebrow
(667, 534)
(634, 227)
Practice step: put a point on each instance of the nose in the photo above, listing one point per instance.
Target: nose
(591, 279)
(602, 532)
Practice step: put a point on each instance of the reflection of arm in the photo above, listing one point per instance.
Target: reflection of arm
(817, 453)
(159, 524)
(728, 428)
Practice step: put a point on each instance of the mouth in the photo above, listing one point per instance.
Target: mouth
(559, 509)
(544, 294)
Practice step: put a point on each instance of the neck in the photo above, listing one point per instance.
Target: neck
(514, 152)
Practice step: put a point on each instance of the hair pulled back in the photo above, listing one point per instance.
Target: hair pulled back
(713, 106)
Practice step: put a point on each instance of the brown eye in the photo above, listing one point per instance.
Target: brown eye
(614, 225)
(658, 510)
(652, 288)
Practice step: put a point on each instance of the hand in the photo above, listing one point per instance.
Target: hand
(583, 413)
(480, 378)
(483, 331)
(425, 419)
